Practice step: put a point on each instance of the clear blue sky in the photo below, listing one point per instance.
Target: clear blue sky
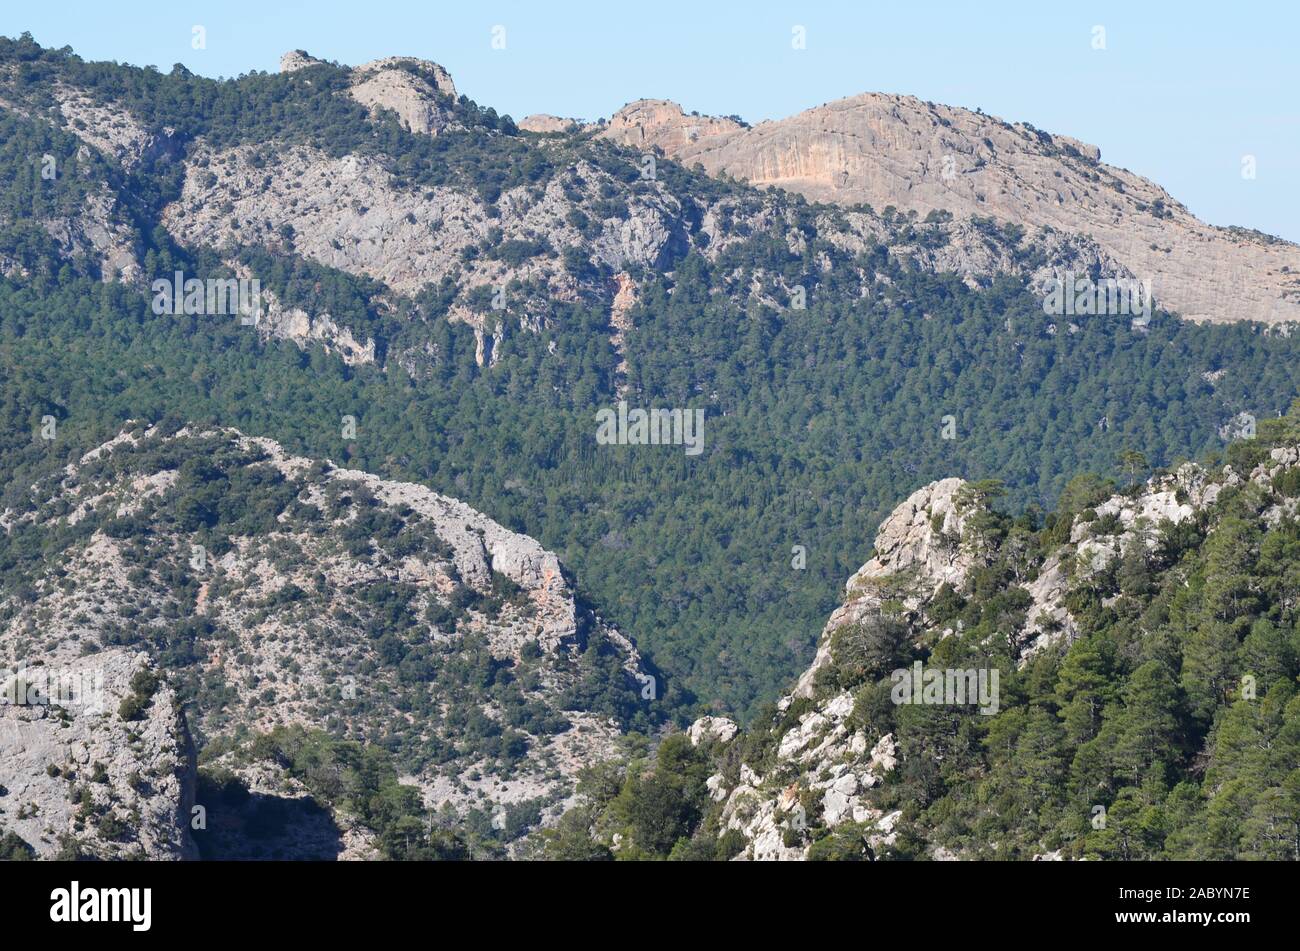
(1181, 92)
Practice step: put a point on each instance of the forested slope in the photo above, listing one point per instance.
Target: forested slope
(829, 350)
(1137, 656)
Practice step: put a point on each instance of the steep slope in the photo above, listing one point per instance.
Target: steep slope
(95, 759)
(279, 594)
(899, 151)
(1119, 682)
(483, 292)
(553, 218)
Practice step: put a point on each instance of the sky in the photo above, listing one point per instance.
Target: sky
(1182, 93)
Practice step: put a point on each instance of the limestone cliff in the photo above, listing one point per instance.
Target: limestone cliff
(819, 771)
(89, 765)
(899, 151)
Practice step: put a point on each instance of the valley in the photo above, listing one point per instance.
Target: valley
(395, 570)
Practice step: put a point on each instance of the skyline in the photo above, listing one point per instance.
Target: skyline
(1180, 101)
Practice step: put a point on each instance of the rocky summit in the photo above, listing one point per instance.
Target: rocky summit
(901, 152)
(856, 763)
(950, 513)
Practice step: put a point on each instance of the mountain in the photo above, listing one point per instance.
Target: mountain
(97, 759)
(916, 156)
(472, 294)
(1116, 681)
(288, 613)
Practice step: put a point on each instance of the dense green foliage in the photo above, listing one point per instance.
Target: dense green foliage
(656, 804)
(1169, 729)
(351, 778)
(818, 421)
(13, 848)
(692, 555)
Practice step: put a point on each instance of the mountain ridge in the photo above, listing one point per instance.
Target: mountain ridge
(272, 593)
(883, 149)
(1146, 642)
(478, 293)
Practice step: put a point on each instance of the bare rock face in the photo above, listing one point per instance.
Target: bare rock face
(114, 132)
(620, 315)
(415, 89)
(79, 776)
(541, 122)
(820, 760)
(659, 123)
(922, 536)
(968, 251)
(101, 232)
(1049, 620)
(712, 728)
(437, 77)
(412, 88)
(295, 60)
(346, 212)
(918, 548)
(647, 235)
(343, 599)
(302, 328)
(888, 150)
(342, 212)
(1123, 521)
(295, 324)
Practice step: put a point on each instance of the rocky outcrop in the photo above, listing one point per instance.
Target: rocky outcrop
(1049, 619)
(706, 729)
(437, 77)
(620, 316)
(1136, 520)
(922, 536)
(297, 325)
(302, 830)
(354, 213)
(817, 763)
(98, 235)
(347, 213)
(295, 60)
(274, 320)
(339, 605)
(341, 212)
(945, 188)
(918, 549)
(823, 765)
(416, 90)
(660, 124)
(915, 156)
(544, 123)
(115, 132)
(823, 759)
(101, 233)
(89, 764)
